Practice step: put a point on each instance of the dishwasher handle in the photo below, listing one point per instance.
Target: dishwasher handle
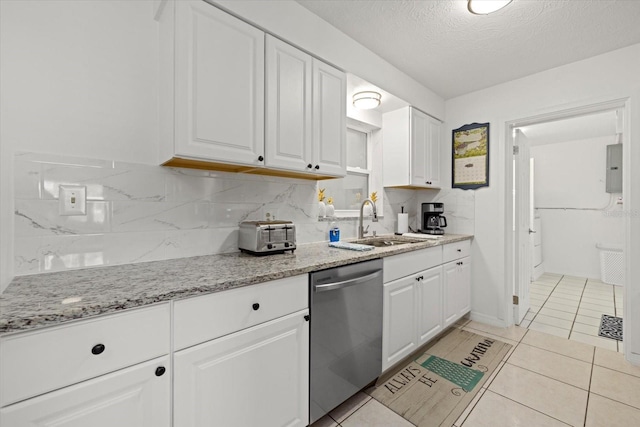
(346, 283)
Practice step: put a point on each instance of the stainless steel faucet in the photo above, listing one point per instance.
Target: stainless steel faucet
(374, 218)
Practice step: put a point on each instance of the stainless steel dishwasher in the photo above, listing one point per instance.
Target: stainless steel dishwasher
(346, 333)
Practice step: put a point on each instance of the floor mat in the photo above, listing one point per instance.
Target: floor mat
(435, 388)
(611, 327)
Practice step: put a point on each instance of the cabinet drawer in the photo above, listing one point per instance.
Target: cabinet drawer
(402, 265)
(132, 397)
(37, 362)
(204, 318)
(457, 250)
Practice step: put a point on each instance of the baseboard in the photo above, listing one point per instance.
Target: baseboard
(489, 320)
(537, 271)
(633, 358)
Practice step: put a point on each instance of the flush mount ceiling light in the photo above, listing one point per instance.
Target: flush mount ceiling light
(485, 7)
(366, 100)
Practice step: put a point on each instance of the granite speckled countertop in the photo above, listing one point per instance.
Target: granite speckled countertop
(52, 298)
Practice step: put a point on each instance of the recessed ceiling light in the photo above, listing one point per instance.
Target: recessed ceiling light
(366, 100)
(485, 7)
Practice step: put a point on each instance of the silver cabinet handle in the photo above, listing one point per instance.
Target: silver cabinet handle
(346, 283)
(532, 231)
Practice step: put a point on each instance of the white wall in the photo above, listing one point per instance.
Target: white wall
(79, 80)
(572, 175)
(609, 76)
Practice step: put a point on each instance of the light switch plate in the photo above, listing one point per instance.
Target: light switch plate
(73, 200)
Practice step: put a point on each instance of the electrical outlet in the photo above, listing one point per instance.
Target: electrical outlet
(73, 200)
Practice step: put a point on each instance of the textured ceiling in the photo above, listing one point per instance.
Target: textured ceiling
(452, 52)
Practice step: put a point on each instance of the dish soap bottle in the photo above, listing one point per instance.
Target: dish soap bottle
(334, 233)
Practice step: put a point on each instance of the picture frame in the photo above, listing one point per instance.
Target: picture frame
(470, 156)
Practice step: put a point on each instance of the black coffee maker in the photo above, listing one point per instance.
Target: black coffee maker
(432, 220)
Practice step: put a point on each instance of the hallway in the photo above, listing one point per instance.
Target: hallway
(572, 307)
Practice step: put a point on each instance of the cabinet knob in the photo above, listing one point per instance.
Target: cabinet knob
(427, 182)
(256, 306)
(97, 349)
(260, 158)
(307, 317)
(309, 166)
(160, 370)
(459, 250)
(317, 167)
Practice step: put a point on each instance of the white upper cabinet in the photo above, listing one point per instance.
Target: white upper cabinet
(236, 99)
(411, 149)
(288, 112)
(305, 113)
(329, 120)
(212, 67)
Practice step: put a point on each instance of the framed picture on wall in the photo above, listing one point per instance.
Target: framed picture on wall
(470, 156)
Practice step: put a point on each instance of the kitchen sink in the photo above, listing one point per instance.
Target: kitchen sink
(383, 242)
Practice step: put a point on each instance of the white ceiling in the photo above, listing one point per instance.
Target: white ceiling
(453, 52)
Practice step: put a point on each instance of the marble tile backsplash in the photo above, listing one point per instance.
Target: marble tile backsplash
(139, 212)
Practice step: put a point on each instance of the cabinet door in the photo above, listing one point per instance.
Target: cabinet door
(450, 288)
(329, 120)
(425, 150)
(219, 85)
(429, 297)
(257, 376)
(464, 286)
(132, 397)
(457, 289)
(432, 162)
(288, 113)
(419, 148)
(399, 320)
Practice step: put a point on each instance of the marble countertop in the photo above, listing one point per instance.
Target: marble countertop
(52, 298)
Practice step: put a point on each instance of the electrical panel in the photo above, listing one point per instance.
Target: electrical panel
(614, 168)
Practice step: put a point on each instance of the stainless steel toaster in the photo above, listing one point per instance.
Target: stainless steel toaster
(267, 237)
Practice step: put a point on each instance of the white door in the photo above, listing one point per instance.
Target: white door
(399, 320)
(138, 396)
(288, 113)
(522, 244)
(255, 377)
(429, 297)
(534, 236)
(329, 120)
(219, 86)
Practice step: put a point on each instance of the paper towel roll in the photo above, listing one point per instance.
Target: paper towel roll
(403, 223)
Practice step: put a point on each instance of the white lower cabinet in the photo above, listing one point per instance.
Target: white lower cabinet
(429, 300)
(138, 396)
(399, 324)
(422, 296)
(412, 314)
(257, 376)
(457, 289)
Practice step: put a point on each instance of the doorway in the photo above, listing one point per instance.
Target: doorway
(522, 225)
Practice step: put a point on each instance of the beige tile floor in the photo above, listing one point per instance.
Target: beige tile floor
(545, 380)
(571, 307)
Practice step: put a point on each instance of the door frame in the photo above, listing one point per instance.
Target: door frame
(554, 114)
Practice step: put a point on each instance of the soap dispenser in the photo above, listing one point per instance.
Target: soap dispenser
(334, 233)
